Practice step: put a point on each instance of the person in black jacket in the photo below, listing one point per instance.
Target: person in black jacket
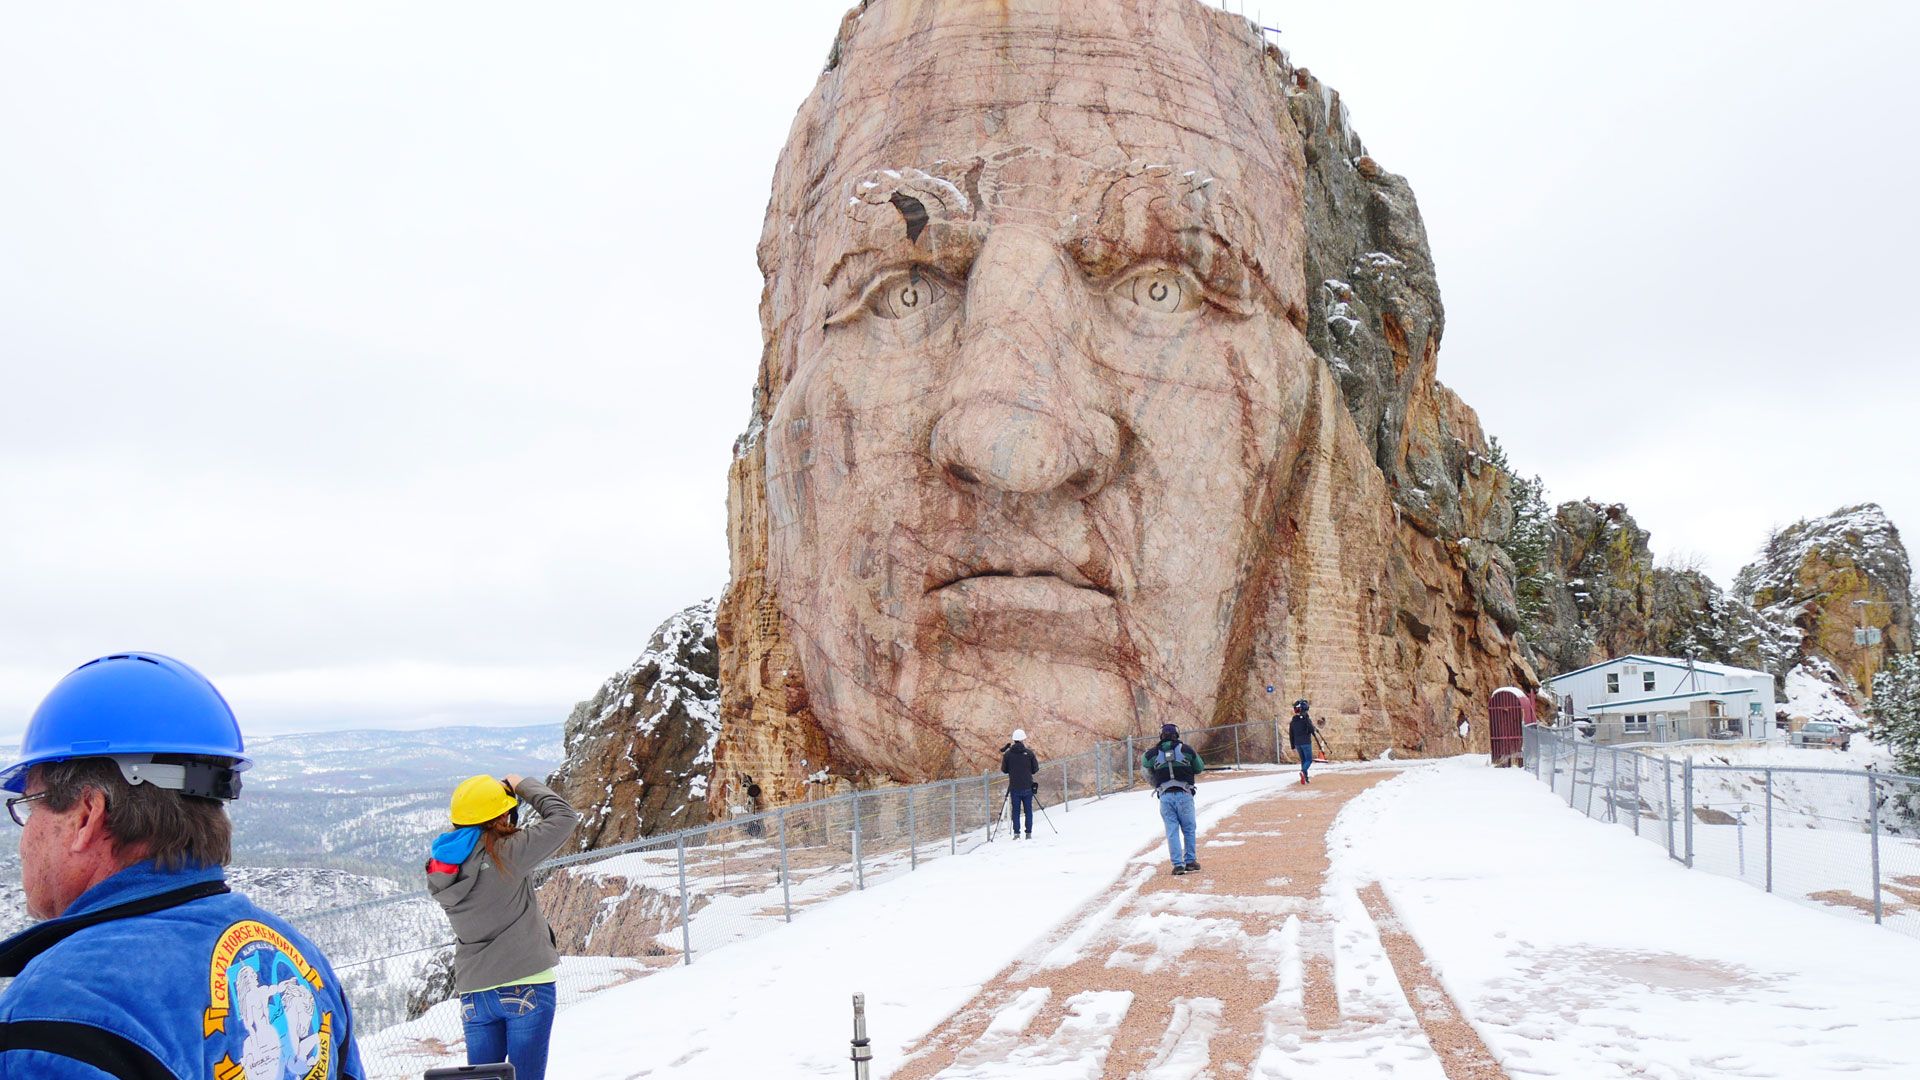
(1302, 732)
(1022, 767)
(1173, 767)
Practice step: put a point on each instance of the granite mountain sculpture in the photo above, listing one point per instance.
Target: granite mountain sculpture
(1097, 394)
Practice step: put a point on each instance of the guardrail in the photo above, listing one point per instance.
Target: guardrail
(1839, 839)
(626, 910)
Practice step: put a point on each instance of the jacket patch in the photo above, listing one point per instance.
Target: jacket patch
(259, 979)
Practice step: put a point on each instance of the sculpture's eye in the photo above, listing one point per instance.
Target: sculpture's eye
(1161, 290)
(905, 294)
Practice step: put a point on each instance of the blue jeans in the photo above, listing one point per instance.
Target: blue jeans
(1305, 750)
(1021, 801)
(511, 1024)
(1176, 809)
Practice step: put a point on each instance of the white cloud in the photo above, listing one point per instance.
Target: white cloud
(411, 341)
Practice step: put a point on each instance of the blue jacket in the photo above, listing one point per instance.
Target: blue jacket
(212, 988)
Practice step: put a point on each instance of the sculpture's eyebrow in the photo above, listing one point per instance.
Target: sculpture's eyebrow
(1157, 213)
(1160, 214)
(901, 216)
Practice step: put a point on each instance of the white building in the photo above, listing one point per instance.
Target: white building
(1659, 699)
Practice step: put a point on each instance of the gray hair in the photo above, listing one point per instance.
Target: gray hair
(173, 830)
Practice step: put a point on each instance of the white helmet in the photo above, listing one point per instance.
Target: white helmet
(1019, 734)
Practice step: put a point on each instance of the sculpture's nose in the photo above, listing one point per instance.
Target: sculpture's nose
(1023, 414)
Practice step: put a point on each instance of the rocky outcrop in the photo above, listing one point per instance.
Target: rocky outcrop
(1183, 439)
(640, 751)
(1791, 612)
(1817, 581)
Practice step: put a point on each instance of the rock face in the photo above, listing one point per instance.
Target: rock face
(640, 751)
(1098, 393)
(1792, 612)
(1809, 583)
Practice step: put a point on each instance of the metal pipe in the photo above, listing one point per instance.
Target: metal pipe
(1636, 793)
(1066, 799)
(686, 924)
(1686, 768)
(859, 871)
(953, 817)
(986, 804)
(1236, 746)
(1668, 762)
(1873, 815)
(862, 1049)
(1769, 790)
(913, 836)
(786, 875)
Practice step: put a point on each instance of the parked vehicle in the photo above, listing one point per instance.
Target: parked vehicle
(1821, 733)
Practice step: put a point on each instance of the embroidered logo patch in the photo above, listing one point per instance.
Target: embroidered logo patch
(265, 1020)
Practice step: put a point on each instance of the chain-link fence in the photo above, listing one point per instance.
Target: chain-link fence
(1841, 839)
(621, 912)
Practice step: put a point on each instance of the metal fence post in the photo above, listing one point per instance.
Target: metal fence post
(786, 875)
(686, 924)
(953, 817)
(1278, 758)
(1636, 792)
(1593, 773)
(913, 834)
(1573, 774)
(1686, 785)
(986, 804)
(1236, 746)
(1066, 801)
(859, 872)
(1667, 763)
(1132, 770)
(1769, 790)
(1873, 815)
(1099, 766)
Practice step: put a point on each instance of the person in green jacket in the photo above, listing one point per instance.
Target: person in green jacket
(505, 959)
(1173, 766)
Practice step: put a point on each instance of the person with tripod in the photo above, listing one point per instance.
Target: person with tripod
(1302, 732)
(1022, 767)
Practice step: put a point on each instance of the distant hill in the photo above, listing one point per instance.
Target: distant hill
(368, 801)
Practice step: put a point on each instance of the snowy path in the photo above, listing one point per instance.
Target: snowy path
(1576, 950)
(1248, 969)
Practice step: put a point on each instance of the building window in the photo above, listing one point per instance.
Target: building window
(1613, 682)
(1646, 681)
(1636, 723)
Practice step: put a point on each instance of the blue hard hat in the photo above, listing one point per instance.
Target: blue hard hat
(130, 704)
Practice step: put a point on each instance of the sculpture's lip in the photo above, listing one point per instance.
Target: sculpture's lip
(985, 595)
(1008, 579)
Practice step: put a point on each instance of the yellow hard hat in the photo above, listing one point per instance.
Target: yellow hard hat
(479, 799)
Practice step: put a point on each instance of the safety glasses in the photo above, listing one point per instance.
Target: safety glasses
(20, 807)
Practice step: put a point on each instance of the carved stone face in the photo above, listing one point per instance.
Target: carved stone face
(1044, 382)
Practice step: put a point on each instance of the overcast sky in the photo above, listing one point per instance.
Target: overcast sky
(384, 360)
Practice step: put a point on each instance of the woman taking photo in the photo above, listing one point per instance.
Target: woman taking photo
(505, 959)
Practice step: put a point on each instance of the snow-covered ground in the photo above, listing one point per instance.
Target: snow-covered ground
(1577, 950)
(1574, 949)
(919, 946)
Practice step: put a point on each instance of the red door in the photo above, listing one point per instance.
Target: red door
(1507, 712)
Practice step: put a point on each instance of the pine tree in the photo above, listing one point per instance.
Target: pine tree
(1529, 542)
(1896, 711)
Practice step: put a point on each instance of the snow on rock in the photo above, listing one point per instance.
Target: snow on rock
(1812, 697)
(640, 751)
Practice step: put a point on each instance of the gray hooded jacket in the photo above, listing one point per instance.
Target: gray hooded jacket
(500, 933)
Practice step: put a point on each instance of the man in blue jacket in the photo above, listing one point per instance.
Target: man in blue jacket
(148, 967)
